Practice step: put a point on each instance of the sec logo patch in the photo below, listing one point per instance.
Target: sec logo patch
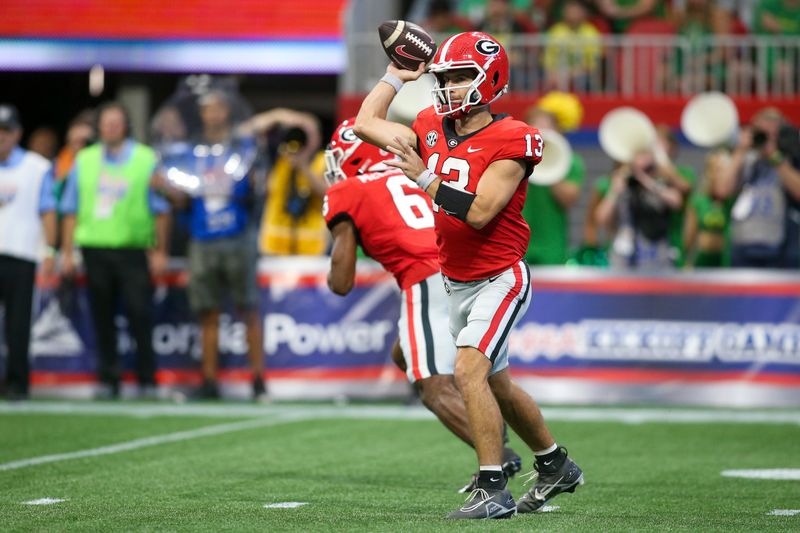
(431, 138)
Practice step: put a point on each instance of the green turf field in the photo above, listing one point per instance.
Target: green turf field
(153, 467)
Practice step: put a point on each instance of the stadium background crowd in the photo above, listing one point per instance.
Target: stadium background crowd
(648, 215)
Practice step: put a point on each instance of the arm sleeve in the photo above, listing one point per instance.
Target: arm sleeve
(69, 198)
(47, 198)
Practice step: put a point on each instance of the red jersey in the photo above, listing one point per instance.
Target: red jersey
(466, 253)
(393, 220)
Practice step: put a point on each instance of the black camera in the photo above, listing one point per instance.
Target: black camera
(789, 142)
(759, 138)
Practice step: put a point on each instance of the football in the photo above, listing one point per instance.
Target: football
(406, 44)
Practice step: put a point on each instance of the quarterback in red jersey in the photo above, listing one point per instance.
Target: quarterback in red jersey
(390, 216)
(474, 166)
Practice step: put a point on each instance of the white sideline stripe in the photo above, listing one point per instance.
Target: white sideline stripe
(44, 501)
(587, 414)
(765, 473)
(549, 508)
(784, 512)
(151, 441)
(284, 505)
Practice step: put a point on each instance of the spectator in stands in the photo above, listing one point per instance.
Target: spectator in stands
(622, 12)
(44, 141)
(573, 50)
(443, 20)
(763, 176)
(80, 133)
(780, 18)
(113, 215)
(681, 177)
(476, 10)
(27, 207)
(293, 223)
(637, 207)
(222, 257)
(168, 126)
(694, 65)
(546, 207)
(502, 22)
(728, 61)
(706, 225)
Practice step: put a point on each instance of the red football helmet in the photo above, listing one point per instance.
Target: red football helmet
(347, 155)
(474, 50)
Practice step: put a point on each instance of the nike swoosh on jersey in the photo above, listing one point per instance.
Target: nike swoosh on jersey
(472, 150)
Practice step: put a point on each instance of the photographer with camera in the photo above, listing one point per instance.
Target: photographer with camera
(639, 204)
(763, 176)
(292, 222)
(209, 181)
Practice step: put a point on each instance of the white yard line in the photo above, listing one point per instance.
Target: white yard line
(765, 473)
(584, 414)
(44, 501)
(152, 441)
(284, 505)
(784, 512)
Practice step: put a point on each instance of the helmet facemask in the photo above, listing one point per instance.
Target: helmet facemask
(443, 95)
(333, 165)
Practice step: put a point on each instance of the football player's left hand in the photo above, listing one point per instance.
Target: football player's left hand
(408, 160)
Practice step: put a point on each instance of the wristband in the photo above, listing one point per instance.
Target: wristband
(50, 251)
(393, 80)
(425, 179)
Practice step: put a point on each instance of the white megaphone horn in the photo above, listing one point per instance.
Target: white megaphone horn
(624, 131)
(556, 159)
(710, 120)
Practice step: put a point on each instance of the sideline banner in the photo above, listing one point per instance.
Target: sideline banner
(722, 337)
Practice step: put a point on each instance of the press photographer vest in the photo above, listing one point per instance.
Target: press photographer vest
(113, 210)
(758, 218)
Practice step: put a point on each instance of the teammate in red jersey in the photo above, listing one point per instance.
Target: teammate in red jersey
(391, 217)
(474, 165)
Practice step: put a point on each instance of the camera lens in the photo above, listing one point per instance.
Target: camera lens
(759, 138)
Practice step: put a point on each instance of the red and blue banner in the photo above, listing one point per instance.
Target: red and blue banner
(720, 338)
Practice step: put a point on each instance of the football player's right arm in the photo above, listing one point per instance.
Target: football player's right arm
(371, 124)
(343, 258)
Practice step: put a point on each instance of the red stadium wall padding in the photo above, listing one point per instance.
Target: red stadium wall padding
(666, 110)
(155, 19)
